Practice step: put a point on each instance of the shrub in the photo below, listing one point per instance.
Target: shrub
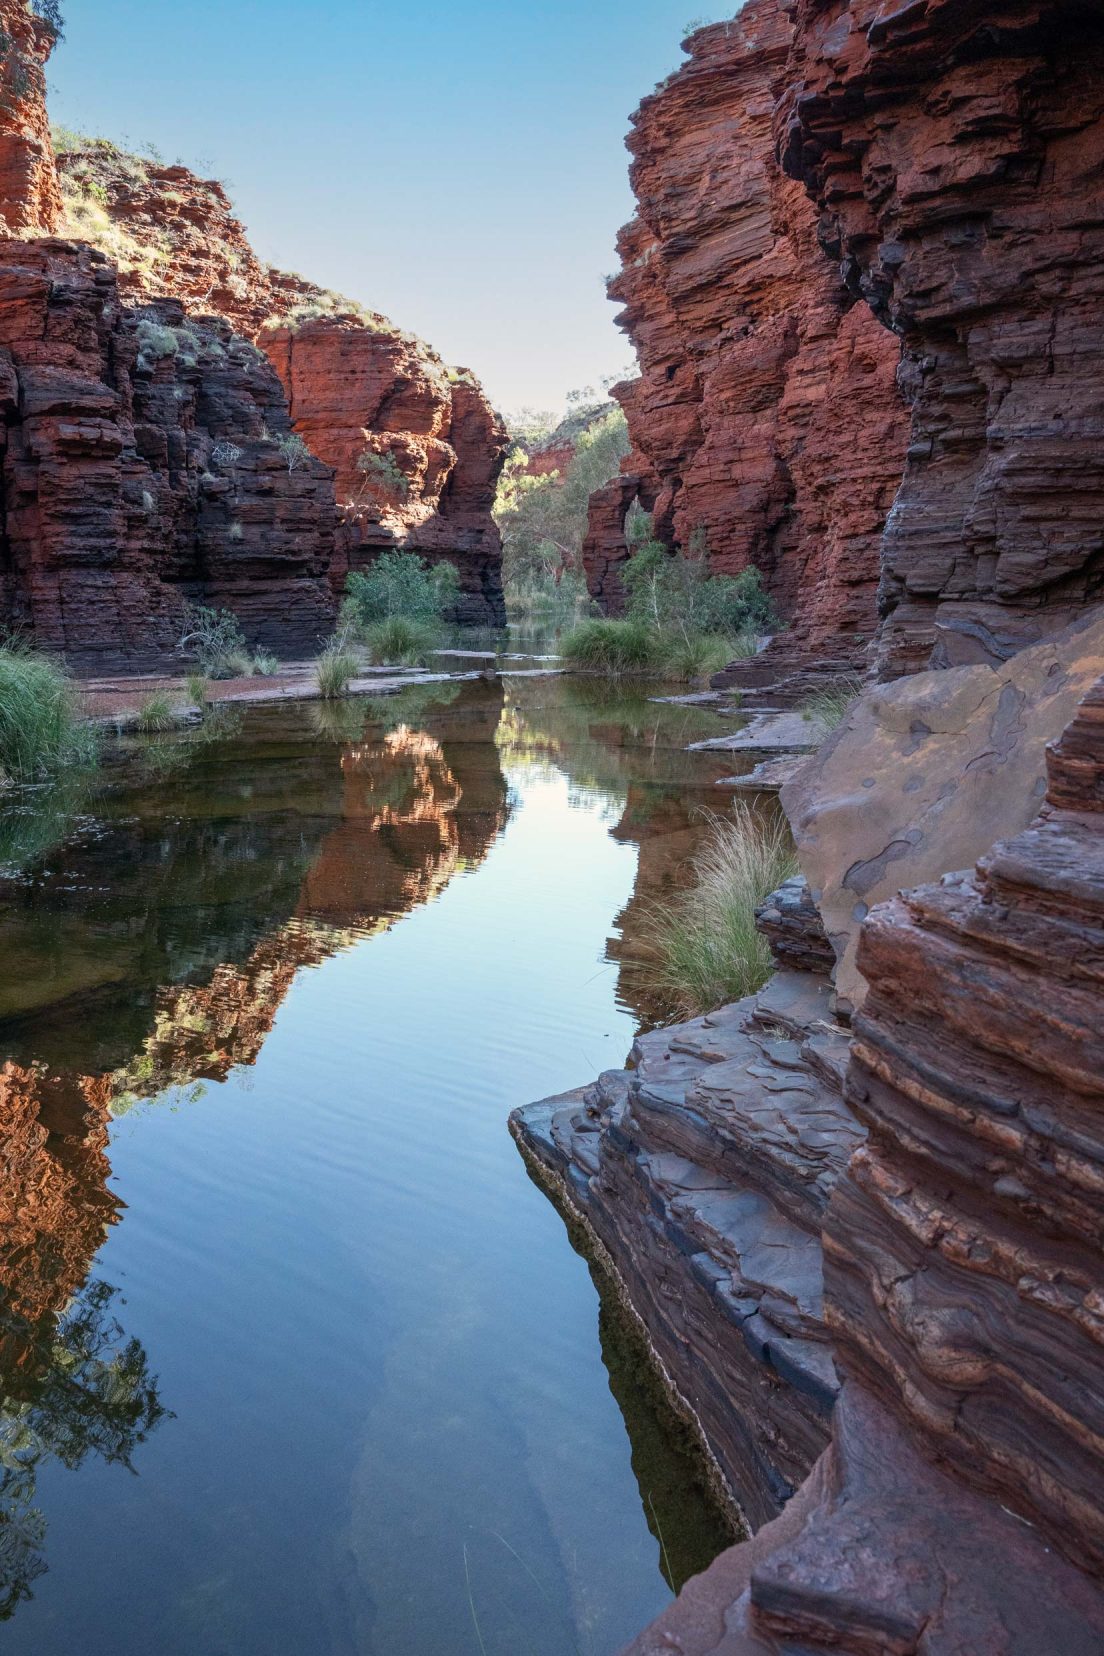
(41, 730)
(294, 450)
(401, 583)
(215, 638)
(336, 667)
(383, 472)
(705, 942)
(677, 592)
(156, 340)
(155, 713)
(401, 641)
(266, 664)
(240, 664)
(614, 647)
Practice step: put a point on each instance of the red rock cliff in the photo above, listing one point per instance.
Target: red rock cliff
(30, 199)
(142, 467)
(956, 151)
(415, 445)
(767, 416)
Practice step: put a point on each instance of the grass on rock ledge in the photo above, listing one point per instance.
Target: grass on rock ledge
(704, 942)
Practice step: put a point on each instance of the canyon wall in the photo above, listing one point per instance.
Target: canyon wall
(30, 199)
(415, 446)
(766, 425)
(956, 150)
(167, 473)
(143, 468)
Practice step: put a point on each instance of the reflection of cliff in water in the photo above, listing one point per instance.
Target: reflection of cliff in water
(153, 949)
(636, 751)
(72, 1385)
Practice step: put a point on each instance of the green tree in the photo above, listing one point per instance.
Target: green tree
(544, 519)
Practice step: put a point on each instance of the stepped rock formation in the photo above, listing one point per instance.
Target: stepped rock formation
(30, 199)
(415, 445)
(703, 1172)
(766, 421)
(956, 152)
(952, 1161)
(141, 468)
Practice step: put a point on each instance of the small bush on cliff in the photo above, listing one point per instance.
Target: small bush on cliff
(156, 713)
(41, 729)
(402, 584)
(705, 944)
(382, 473)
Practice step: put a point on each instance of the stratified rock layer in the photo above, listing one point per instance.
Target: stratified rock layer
(703, 1171)
(415, 446)
(142, 468)
(767, 423)
(30, 198)
(956, 151)
(960, 1506)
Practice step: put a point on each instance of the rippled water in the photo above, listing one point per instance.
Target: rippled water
(296, 1360)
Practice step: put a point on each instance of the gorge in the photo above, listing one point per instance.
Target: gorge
(783, 1334)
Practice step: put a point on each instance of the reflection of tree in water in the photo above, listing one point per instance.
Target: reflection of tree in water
(83, 1389)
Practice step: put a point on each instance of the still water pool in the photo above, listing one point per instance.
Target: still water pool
(295, 1359)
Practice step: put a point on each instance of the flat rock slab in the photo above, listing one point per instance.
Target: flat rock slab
(788, 733)
(769, 775)
(926, 773)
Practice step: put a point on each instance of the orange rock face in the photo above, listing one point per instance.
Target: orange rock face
(30, 200)
(415, 446)
(767, 418)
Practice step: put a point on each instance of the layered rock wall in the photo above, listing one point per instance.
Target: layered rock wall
(142, 468)
(415, 446)
(956, 152)
(30, 198)
(766, 426)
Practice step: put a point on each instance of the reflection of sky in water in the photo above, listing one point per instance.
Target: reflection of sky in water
(392, 1429)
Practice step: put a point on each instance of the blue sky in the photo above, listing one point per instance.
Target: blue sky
(460, 166)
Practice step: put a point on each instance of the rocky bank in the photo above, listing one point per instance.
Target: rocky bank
(860, 1215)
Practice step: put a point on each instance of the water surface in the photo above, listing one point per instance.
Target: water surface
(296, 1360)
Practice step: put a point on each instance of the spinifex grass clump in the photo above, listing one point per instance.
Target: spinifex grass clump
(401, 641)
(156, 713)
(704, 941)
(618, 648)
(827, 710)
(336, 667)
(41, 729)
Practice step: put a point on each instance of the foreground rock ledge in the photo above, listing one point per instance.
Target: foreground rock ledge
(959, 1505)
